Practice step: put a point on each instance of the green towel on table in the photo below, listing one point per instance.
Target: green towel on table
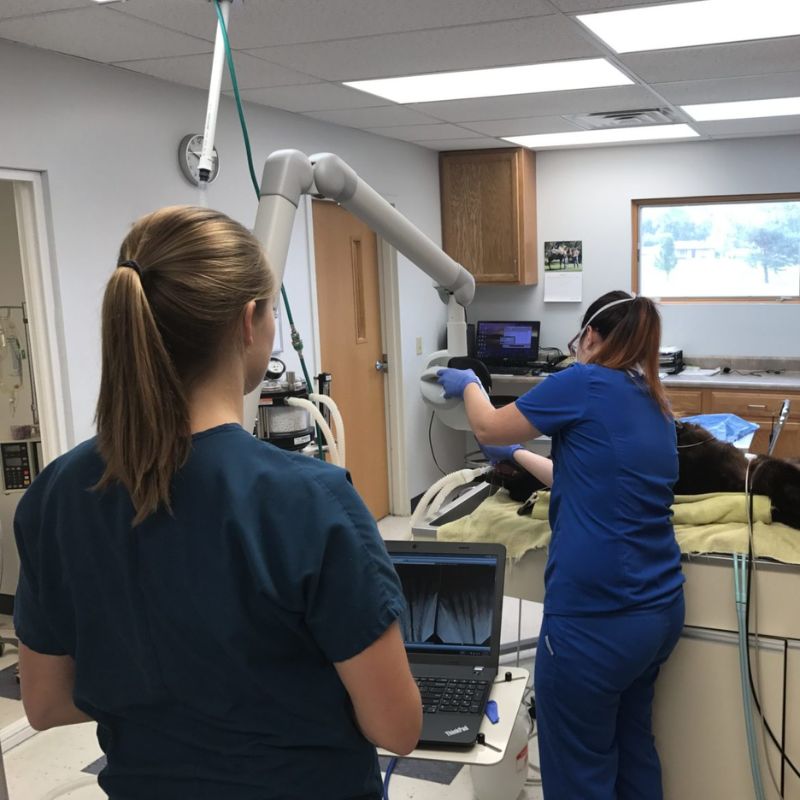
(707, 523)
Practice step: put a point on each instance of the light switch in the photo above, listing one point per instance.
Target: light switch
(419, 345)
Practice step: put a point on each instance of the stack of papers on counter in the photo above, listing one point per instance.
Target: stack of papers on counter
(698, 372)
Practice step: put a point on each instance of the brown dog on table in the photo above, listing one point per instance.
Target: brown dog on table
(705, 464)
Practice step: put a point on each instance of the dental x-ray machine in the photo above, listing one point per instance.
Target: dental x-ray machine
(289, 174)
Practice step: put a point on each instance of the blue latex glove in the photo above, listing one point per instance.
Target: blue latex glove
(500, 453)
(455, 381)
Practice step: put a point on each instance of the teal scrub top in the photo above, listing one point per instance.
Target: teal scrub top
(204, 640)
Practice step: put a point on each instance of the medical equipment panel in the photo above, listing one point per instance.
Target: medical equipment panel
(20, 464)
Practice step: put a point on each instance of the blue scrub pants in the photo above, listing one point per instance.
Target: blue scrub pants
(594, 681)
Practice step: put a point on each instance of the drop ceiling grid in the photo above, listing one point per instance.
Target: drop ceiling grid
(276, 22)
(296, 61)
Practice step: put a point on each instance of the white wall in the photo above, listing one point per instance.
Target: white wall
(107, 140)
(586, 195)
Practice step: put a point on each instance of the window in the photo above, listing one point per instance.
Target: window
(719, 248)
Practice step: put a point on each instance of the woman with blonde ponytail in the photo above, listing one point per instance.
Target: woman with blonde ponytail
(613, 605)
(224, 610)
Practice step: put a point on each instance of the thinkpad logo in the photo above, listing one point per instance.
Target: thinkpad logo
(454, 731)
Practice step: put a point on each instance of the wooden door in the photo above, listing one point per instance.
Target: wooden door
(346, 253)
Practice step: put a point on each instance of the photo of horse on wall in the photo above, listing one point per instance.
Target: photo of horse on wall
(563, 256)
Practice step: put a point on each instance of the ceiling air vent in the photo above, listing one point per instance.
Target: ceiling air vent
(622, 119)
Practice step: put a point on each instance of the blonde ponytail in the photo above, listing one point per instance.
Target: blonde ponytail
(170, 309)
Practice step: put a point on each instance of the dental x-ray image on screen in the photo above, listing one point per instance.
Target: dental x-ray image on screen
(450, 603)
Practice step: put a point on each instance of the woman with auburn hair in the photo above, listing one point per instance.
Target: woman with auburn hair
(224, 610)
(613, 606)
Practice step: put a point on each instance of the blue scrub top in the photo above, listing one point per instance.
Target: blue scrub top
(615, 461)
(204, 640)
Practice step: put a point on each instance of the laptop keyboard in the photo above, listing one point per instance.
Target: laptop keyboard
(510, 370)
(452, 695)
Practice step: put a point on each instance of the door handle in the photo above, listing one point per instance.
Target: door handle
(382, 365)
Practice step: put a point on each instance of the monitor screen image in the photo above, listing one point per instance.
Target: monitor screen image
(515, 343)
(449, 603)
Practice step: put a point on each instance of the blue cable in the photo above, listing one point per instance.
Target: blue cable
(297, 342)
(389, 770)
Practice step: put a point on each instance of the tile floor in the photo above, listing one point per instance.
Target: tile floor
(51, 764)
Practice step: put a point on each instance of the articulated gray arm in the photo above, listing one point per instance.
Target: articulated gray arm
(288, 174)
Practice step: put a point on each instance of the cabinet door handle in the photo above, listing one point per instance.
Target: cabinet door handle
(756, 405)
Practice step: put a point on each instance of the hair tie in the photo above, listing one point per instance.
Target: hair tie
(134, 265)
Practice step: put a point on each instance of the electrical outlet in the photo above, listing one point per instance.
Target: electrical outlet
(419, 345)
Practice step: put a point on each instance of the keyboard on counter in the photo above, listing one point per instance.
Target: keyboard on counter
(510, 370)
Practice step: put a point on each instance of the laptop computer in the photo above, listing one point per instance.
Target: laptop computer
(507, 347)
(451, 630)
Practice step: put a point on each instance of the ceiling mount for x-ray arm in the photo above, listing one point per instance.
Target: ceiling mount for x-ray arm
(289, 174)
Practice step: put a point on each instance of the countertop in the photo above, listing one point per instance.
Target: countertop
(786, 381)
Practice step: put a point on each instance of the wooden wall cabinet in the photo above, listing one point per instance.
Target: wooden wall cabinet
(755, 406)
(489, 213)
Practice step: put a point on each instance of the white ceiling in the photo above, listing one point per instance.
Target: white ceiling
(293, 55)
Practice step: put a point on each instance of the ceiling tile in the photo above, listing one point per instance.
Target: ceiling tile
(749, 127)
(524, 41)
(544, 104)
(414, 133)
(309, 97)
(782, 84)
(99, 34)
(603, 5)
(380, 116)
(716, 61)
(463, 144)
(25, 8)
(195, 70)
(278, 22)
(520, 127)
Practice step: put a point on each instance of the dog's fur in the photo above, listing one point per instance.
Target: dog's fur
(705, 464)
(709, 465)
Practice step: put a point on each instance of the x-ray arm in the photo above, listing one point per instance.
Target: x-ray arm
(289, 174)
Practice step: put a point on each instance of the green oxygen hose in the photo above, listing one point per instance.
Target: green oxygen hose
(297, 341)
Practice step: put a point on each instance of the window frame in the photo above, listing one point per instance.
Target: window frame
(638, 203)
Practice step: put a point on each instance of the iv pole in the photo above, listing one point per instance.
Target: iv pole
(34, 405)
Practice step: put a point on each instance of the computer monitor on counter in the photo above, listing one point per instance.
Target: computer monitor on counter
(509, 343)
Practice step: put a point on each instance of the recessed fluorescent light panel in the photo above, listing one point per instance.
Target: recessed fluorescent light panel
(745, 109)
(541, 141)
(697, 23)
(557, 76)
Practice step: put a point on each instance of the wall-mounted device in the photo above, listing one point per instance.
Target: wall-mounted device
(189, 151)
(20, 464)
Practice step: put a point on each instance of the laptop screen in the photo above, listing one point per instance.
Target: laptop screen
(513, 343)
(450, 602)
